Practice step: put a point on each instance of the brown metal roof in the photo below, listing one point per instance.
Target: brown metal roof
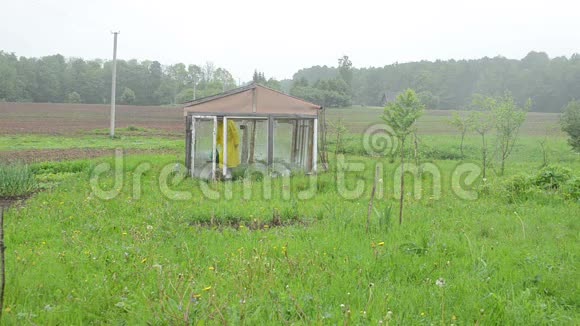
(252, 99)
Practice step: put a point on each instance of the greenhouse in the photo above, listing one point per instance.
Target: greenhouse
(250, 127)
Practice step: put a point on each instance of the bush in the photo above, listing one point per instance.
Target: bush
(552, 177)
(570, 123)
(16, 180)
(518, 184)
(439, 153)
(571, 189)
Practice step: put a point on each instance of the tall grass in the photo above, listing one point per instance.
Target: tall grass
(16, 180)
(508, 257)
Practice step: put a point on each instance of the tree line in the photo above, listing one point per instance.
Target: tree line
(549, 83)
(58, 79)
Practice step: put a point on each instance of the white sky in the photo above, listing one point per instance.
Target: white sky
(280, 37)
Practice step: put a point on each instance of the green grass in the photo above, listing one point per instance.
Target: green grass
(73, 258)
(436, 122)
(16, 180)
(29, 142)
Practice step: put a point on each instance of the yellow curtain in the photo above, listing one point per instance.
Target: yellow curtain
(233, 144)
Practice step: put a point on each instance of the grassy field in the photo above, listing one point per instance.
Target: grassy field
(435, 122)
(167, 250)
(38, 142)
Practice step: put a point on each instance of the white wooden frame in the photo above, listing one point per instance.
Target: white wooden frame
(315, 146)
(194, 118)
(225, 147)
(214, 143)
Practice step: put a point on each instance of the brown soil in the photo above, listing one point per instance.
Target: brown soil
(36, 155)
(66, 119)
(275, 222)
(6, 203)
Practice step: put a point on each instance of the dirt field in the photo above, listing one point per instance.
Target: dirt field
(66, 119)
(40, 155)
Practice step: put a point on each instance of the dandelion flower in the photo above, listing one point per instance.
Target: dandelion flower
(207, 288)
(382, 243)
(211, 268)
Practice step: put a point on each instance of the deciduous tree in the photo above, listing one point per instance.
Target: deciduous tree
(570, 122)
(401, 116)
(508, 117)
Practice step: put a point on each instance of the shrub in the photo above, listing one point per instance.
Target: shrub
(518, 184)
(571, 189)
(440, 153)
(16, 180)
(552, 177)
(570, 123)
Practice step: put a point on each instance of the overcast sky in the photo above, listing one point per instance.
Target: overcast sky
(280, 37)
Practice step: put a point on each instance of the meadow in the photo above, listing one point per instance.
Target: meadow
(166, 249)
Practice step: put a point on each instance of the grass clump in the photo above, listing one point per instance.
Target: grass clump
(60, 167)
(552, 179)
(16, 180)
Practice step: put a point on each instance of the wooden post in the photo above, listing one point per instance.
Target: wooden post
(294, 141)
(270, 140)
(214, 147)
(244, 130)
(402, 197)
(322, 146)
(252, 142)
(2, 261)
(253, 139)
(192, 147)
(188, 143)
(372, 198)
(311, 153)
(315, 145)
(225, 147)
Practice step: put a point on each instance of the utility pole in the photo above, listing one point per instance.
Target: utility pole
(114, 85)
(194, 87)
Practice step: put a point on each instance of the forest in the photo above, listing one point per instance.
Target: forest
(451, 84)
(56, 79)
(549, 83)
